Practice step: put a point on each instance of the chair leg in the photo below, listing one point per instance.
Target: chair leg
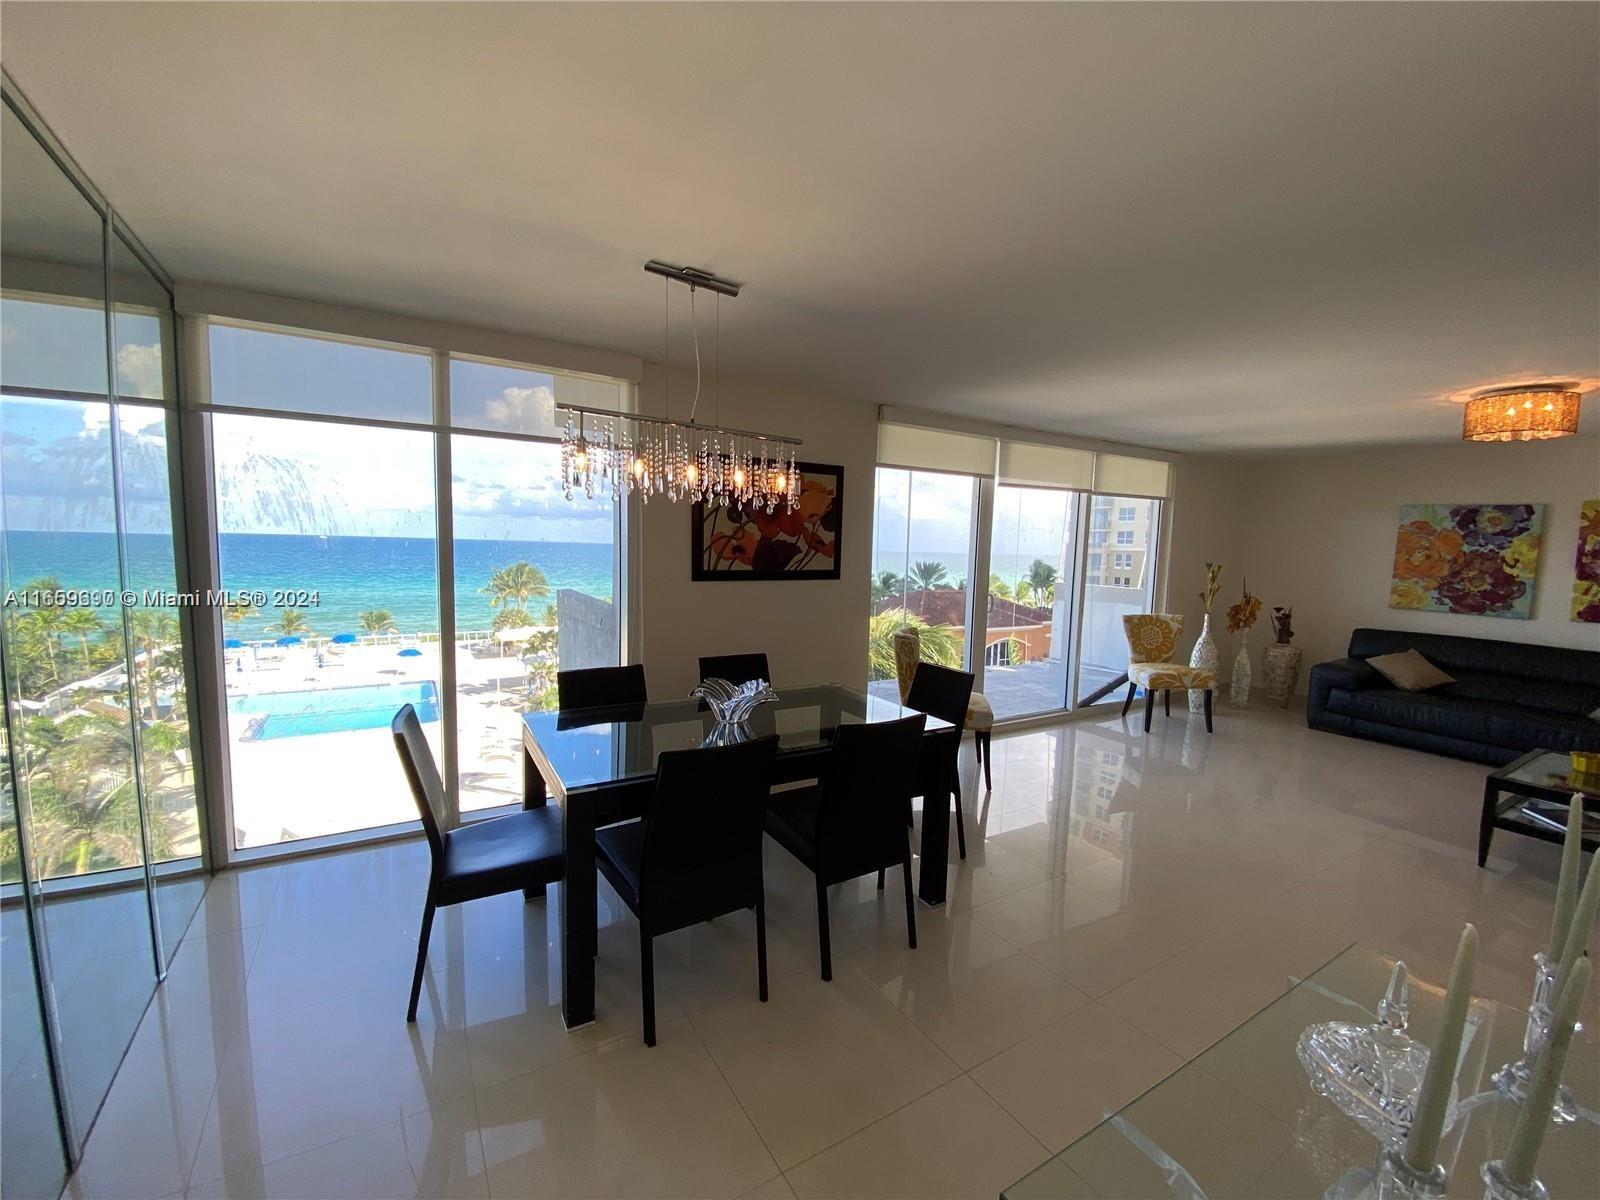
(961, 824)
(1128, 703)
(880, 879)
(1149, 706)
(1208, 710)
(761, 944)
(647, 977)
(987, 738)
(911, 903)
(823, 940)
(422, 957)
(1166, 702)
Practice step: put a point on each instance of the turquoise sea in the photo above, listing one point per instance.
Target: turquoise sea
(349, 574)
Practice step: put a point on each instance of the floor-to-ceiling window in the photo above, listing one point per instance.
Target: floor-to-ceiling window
(922, 556)
(1030, 606)
(344, 603)
(1124, 533)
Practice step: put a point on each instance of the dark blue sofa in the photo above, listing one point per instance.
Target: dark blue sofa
(1507, 698)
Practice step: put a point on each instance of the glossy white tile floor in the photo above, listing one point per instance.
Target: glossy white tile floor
(1128, 900)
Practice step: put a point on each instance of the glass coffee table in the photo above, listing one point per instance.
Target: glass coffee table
(1530, 797)
(1241, 1120)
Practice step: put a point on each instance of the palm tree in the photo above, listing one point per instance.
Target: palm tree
(998, 587)
(926, 576)
(81, 623)
(153, 631)
(885, 584)
(291, 622)
(1043, 577)
(941, 644)
(377, 620)
(515, 585)
(237, 612)
(1024, 591)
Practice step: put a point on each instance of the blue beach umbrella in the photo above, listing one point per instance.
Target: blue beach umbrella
(291, 640)
(232, 644)
(343, 639)
(410, 652)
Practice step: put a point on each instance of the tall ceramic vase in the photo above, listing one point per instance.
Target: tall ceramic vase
(1206, 658)
(1239, 690)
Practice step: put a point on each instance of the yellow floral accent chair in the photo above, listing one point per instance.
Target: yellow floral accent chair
(1152, 645)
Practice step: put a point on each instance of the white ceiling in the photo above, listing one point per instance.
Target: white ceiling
(1194, 226)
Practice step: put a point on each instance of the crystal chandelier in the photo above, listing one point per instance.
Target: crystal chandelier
(623, 453)
(1525, 413)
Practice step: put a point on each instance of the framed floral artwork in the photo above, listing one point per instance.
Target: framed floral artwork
(1467, 558)
(745, 542)
(1586, 571)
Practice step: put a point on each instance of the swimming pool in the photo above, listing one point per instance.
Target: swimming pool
(329, 710)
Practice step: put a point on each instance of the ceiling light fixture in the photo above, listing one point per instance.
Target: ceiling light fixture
(626, 452)
(1525, 412)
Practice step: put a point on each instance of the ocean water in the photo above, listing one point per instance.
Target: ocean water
(349, 574)
(1010, 567)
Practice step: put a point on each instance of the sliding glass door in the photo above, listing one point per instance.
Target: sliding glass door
(1119, 580)
(922, 555)
(1028, 642)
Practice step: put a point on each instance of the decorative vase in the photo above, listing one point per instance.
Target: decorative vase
(907, 650)
(1280, 672)
(1239, 691)
(1206, 658)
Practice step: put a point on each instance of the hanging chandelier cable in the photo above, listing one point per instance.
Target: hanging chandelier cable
(627, 452)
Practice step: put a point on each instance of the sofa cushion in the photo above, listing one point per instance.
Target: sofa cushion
(1489, 722)
(1409, 671)
(1548, 695)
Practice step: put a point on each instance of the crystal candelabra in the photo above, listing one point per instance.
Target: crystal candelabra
(1511, 1080)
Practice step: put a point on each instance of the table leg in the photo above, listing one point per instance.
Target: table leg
(534, 795)
(935, 851)
(1491, 798)
(578, 917)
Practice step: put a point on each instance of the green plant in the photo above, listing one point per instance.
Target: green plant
(515, 585)
(941, 644)
(1042, 578)
(291, 622)
(377, 620)
(998, 587)
(927, 576)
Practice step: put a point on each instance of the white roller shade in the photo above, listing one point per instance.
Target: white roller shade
(935, 450)
(1028, 464)
(1116, 475)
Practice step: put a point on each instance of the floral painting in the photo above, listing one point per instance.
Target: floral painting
(1467, 558)
(745, 542)
(1586, 573)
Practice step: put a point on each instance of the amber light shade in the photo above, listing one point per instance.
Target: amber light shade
(1525, 414)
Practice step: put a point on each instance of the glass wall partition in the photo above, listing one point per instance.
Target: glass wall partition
(1030, 606)
(922, 555)
(100, 835)
(1124, 532)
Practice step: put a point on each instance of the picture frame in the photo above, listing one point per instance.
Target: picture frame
(734, 543)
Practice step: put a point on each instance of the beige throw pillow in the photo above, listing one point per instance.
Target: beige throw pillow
(1409, 671)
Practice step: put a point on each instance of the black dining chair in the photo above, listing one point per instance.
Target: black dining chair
(735, 668)
(601, 687)
(944, 693)
(697, 852)
(483, 858)
(852, 822)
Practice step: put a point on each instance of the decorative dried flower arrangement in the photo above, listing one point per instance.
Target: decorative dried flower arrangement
(1213, 585)
(1243, 614)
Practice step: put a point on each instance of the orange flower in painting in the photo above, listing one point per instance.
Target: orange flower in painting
(737, 547)
(1425, 553)
(818, 542)
(814, 499)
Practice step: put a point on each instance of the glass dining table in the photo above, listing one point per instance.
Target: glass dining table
(599, 765)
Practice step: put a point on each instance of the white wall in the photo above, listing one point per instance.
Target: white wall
(1209, 515)
(1317, 532)
(811, 630)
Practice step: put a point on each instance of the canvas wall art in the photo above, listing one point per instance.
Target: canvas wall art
(1586, 571)
(1467, 558)
(744, 542)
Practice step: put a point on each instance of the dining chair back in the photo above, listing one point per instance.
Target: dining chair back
(853, 821)
(521, 852)
(696, 854)
(735, 668)
(601, 687)
(945, 693)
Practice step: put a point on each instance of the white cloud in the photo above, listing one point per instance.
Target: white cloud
(135, 419)
(522, 408)
(139, 370)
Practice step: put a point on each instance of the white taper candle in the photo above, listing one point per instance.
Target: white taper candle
(1527, 1136)
(1567, 880)
(1433, 1101)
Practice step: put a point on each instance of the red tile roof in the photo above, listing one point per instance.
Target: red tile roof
(947, 606)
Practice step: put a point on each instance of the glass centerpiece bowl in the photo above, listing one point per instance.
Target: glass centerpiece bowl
(732, 704)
